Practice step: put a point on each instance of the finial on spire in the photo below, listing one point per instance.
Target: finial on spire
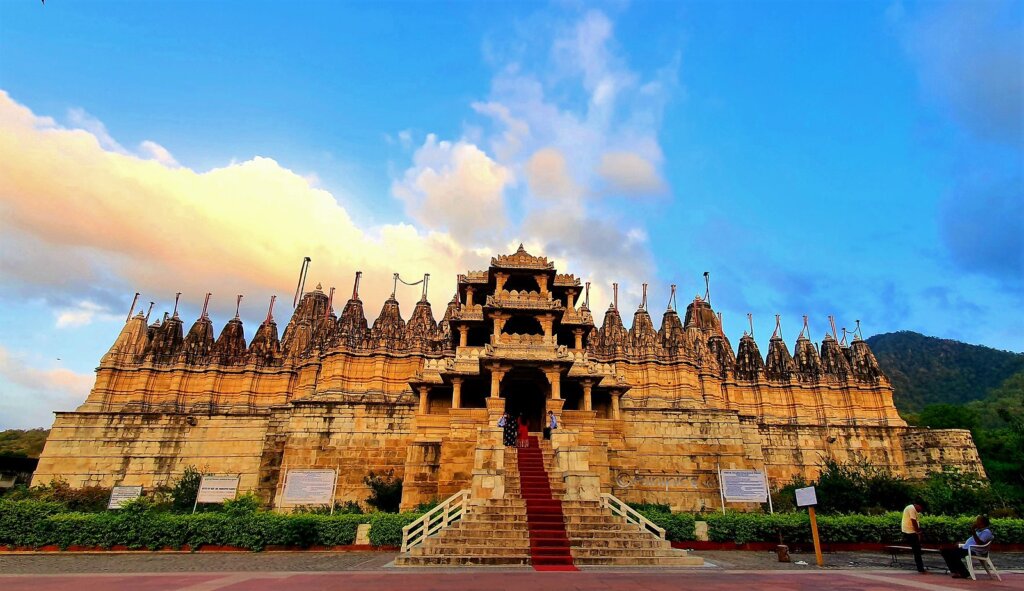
(426, 280)
(672, 298)
(697, 312)
(177, 296)
(148, 312)
(238, 304)
(750, 320)
(302, 280)
(857, 334)
(778, 327)
(643, 303)
(330, 304)
(132, 309)
(843, 342)
(805, 331)
(319, 286)
(615, 296)
(832, 322)
(586, 301)
(394, 287)
(270, 311)
(206, 305)
(707, 287)
(355, 287)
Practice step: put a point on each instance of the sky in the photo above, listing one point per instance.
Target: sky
(862, 159)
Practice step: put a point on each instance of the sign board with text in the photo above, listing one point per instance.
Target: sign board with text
(309, 487)
(119, 495)
(744, 486)
(805, 497)
(217, 489)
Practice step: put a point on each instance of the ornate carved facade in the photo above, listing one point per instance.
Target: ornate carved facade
(667, 405)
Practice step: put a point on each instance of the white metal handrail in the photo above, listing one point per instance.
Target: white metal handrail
(631, 515)
(435, 520)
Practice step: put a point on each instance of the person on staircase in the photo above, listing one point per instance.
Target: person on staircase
(551, 426)
(509, 428)
(524, 432)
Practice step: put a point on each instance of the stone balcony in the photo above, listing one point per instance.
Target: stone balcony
(523, 300)
(474, 313)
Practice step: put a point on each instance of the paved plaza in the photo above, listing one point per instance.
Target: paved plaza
(369, 571)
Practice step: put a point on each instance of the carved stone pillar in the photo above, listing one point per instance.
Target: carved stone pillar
(555, 379)
(616, 394)
(578, 333)
(463, 335)
(588, 400)
(424, 391)
(570, 294)
(542, 282)
(496, 376)
(499, 323)
(547, 323)
(456, 392)
(469, 295)
(499, 281)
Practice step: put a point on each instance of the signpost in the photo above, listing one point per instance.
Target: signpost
(216, 489)
(805, 497)
(121, 494)
(310, 487)
(744, 486)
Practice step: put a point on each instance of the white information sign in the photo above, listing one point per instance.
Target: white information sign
(309, 487)
(744, 486)
(217, 489)
(120, 494)
(805, 497)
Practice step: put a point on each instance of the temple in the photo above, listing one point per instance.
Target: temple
(646, 414)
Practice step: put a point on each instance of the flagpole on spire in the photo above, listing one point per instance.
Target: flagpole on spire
(270, 310)
(238, 304)
(132, 309)
(177, 296)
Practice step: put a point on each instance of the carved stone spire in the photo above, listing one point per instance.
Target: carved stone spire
(833, 361)
(352, 326)
(130, 343)
(806, 360)
(444, 328)
(421, 330)
(613, 340)
(230, 346)
(721, 353)
(642, 337)
(166, 342)
(388, 330)
(299, 336)
(265, 348)
(198, 344)
(671, 333)
(749, 364)
(779, 365)
(863, 363)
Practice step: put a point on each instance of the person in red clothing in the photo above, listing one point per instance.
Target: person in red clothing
(524, 432)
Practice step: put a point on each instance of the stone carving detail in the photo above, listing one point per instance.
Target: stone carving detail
(612, 339)
(806, 360)
(265, 348)
(522, 260)
(353, 329)
(779, 365)
(198, 344)
(166, 342)
(643, 339)
(299, 338)
(721, 354)
(130, 343)
(230, 346)
(388, 330)
(671, 333)
(833, 361)
(421, 330)
(863, 363)
(749, 364)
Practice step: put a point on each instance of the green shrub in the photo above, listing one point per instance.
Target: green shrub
(386, 528)
(679, 527)
(185, 489)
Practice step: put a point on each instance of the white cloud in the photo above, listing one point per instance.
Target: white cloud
(71, 201)
(83, 313)
(157, 152)
(548, 177)
(630, 173)
(455, 186)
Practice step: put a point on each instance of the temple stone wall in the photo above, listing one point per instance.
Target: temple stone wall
(105, 449)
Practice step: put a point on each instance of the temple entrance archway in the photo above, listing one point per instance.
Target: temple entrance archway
(525, 390)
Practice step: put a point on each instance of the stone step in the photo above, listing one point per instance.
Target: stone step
(462, 560)
(693, 561)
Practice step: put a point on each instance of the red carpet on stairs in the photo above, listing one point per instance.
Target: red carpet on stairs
(549, 544)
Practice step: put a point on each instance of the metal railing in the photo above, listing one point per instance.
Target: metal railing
(631, 515)
(435, 520)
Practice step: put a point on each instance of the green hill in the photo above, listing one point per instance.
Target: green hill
(25, 443)
(927, 370)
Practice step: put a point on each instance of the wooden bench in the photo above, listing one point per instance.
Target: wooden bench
(895, 551)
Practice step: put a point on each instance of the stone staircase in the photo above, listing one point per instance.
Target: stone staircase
(534, 525)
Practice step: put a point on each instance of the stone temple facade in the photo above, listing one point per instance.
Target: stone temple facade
(647, 414)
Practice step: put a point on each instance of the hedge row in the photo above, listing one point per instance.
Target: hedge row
(795, 527)
(36, 523)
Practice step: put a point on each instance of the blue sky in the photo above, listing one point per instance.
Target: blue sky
(858, 159)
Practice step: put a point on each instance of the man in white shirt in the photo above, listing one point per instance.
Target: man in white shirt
(911, 528)
(980, 536)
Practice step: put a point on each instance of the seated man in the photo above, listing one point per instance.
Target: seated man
(954, 556)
